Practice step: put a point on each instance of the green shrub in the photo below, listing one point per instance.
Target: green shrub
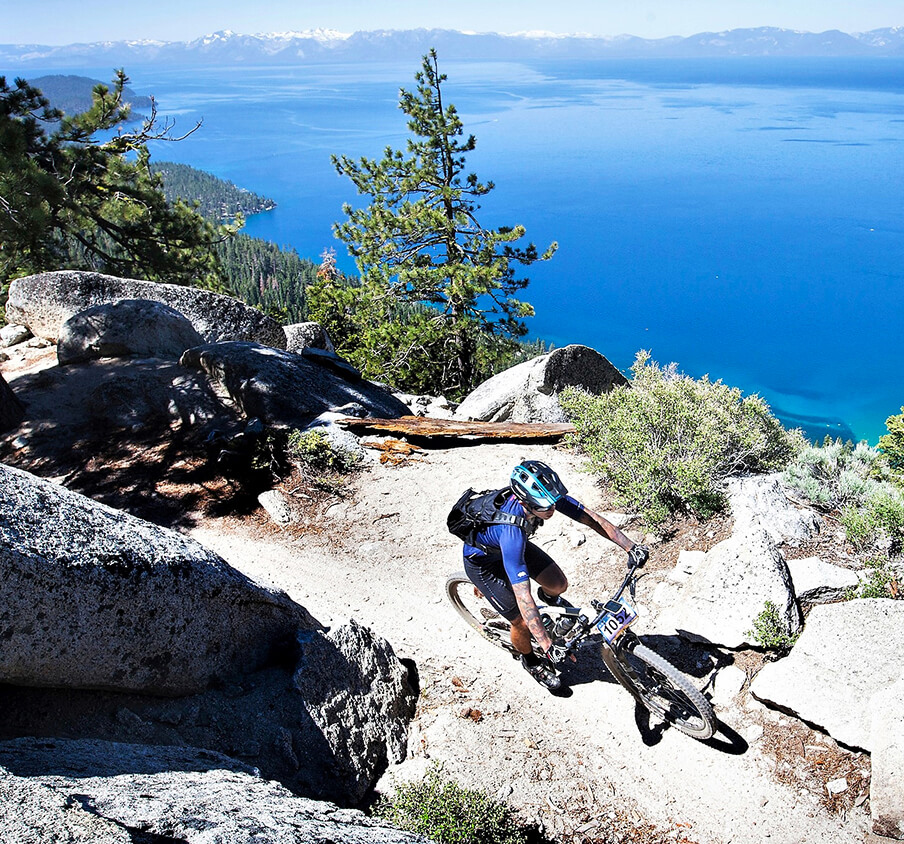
(769, 631)
(882, 581)
(853, 481)
(892, 446)
(448, 814)
(322, 462)
(666, 441)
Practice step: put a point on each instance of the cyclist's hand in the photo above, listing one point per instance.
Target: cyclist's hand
(638, 555)
(557, 651)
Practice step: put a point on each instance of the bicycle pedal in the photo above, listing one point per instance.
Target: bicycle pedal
(488, 614)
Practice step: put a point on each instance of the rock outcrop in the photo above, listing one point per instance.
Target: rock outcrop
(759, 502)
(12, 411)
(528, 392)
(325, 722)
(728, 589)
(103, 792)
(43, 302)
(846, 654)
(11, 335)
(307, 335)
(92, 597)
(818, 582)
(285, 389)
(126, 328)
(99, 398)
(115, 628)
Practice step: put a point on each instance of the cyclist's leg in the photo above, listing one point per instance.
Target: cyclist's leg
(545, 571)
(521, 638)
(488, 575)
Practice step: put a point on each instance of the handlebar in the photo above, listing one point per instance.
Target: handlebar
(629, 582)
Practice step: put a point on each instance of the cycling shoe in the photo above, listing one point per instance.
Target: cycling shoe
(543, 672)
(549, 600)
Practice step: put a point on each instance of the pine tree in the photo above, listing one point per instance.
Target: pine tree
(420, 242)
(72, 199)
(892, 444)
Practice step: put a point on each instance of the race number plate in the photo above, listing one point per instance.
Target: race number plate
(619, 614)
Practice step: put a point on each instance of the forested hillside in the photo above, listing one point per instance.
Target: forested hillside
(256, 271)
(72, 94)
(220, 200)
(266, 276)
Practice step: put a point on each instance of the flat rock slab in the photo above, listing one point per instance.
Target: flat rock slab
(77, 791)
(886, 793)
(847, 653)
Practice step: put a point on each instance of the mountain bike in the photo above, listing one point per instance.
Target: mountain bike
(650, 678)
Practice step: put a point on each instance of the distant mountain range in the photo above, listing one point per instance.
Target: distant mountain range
(318, 46)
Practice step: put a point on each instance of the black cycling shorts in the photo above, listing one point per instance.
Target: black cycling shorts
(488, 575)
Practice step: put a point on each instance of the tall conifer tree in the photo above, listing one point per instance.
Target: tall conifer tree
(78, 192)
(420, 241)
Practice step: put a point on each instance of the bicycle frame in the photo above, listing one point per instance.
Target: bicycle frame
(579, 634)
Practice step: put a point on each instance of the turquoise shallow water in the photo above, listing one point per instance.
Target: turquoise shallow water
(742, 218)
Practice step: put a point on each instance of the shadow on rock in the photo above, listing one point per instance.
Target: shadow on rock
(326, 730)
(129, 433)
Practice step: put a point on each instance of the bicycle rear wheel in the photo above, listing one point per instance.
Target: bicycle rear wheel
(661, 688)
(470, 604)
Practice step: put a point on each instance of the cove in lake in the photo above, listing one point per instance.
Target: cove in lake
(740, 217)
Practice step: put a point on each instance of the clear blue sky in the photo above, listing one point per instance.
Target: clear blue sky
(70, 21)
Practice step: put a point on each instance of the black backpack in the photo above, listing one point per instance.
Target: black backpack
(476, 510)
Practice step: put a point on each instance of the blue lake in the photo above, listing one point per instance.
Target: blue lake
(742, 218)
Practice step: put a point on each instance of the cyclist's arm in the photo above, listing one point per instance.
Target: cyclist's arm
(511, 544)
(531, 615)
(577, 511)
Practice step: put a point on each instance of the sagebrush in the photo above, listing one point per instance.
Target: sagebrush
(666, 441)
(448, 813)
(854, 483)
(882, 580)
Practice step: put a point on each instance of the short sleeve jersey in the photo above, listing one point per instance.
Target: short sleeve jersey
(510, 539)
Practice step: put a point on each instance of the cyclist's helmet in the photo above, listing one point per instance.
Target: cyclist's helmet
(535, 484)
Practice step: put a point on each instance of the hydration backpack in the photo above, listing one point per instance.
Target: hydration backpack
(476, 510)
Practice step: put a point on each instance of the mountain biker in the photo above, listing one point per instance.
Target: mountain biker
(502, 567)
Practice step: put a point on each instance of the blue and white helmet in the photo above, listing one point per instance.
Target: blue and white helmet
(536, 485)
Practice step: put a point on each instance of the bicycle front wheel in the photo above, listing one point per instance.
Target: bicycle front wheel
(662, 689)
(470, 604)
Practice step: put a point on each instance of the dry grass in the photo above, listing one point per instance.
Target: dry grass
(811, 760)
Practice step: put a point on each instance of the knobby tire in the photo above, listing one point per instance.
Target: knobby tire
(477, 612)
(662, 689)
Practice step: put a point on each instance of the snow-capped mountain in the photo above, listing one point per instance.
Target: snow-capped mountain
(322, 45)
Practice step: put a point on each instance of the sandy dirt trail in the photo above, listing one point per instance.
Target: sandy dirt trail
(588, 767)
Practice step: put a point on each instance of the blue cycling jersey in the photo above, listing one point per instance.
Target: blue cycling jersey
(510, 540)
